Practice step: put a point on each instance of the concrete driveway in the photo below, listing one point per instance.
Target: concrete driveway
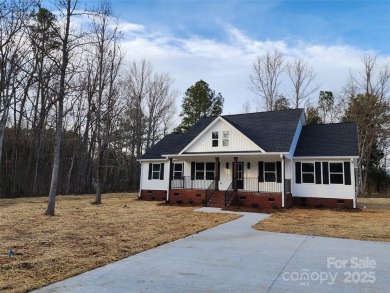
(233, 257)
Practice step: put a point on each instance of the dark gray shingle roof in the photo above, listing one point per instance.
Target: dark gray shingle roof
(272, 131)
(339, 139)
(175, 142)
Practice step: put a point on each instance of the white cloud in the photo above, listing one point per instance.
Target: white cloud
(127, 27)
(226, 65)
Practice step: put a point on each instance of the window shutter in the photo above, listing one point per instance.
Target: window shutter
(279, 171)
(347, 173)
(318, 172)
(150, 171)
(261, 171)
(298, 172)
(325, 169)
(192, 170)
(162, 171)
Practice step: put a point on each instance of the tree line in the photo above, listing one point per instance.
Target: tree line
(74, 117)
(74, 114)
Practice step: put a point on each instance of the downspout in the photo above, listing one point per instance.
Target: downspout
(283, 177)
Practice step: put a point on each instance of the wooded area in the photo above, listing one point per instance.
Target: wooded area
(70, 109)
(73, 113)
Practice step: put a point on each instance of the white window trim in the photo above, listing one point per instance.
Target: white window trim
(314, 172)
(275, 172)
(205, 170)
(342, 172)
(214, 139)
(182, 170)
(157, 172)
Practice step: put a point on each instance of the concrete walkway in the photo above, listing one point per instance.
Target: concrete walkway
(233, 257)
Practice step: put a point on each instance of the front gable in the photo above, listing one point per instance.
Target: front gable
(228, 139)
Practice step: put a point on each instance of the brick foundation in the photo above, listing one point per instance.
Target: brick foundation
(153, 194)
(322, 202)
(187, 196)
(249, 199)
(259, 199)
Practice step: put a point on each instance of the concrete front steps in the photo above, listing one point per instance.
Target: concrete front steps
(217, 200)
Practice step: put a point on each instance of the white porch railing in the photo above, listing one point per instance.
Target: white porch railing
(245, 185)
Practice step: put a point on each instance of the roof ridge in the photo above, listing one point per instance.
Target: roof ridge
(263, 112)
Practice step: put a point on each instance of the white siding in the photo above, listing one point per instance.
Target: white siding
(324, 190)
(154, 184)
(237, 141)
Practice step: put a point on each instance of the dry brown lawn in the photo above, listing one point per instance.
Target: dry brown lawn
(83, 236)
(369, 222)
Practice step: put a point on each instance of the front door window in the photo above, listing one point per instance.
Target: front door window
(240, 175)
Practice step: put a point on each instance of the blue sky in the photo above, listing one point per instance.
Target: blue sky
(364, 24)
(217, 41)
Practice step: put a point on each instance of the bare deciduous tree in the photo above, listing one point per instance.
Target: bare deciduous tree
(265, 77)
(302, 76)
(67, 9)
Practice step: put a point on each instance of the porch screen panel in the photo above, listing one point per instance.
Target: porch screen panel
(347, 173)
(261, 171)
(298, 178)
(318, 172)
(325, 169)
(279, 171)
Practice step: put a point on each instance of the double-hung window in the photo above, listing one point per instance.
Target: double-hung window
(156, 169)
(178, 170)
(199, 171)
(336, 173)
(270, 172)
(214, 138)
(308, 174)
(204, 171)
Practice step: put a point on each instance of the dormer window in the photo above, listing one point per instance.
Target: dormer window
(214, 137)
(225, 138)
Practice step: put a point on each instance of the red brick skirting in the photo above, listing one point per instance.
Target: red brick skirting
(249, 199)
(259, 199)
(322, 202)
(153, 194)
(187, 196)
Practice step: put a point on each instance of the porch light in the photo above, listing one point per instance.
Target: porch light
(248, 165)
(227, 165)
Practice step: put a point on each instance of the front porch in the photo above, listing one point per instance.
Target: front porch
(249, 192)
(222, 181)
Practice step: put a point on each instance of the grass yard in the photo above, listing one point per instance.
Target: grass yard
(369, 222)
(83, 236)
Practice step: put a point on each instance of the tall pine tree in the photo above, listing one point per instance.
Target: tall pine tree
(199, 101)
